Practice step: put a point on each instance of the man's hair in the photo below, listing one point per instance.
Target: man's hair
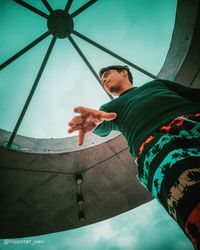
(119, 68)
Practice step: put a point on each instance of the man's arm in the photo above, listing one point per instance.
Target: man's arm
(105, 127)
(192, 94)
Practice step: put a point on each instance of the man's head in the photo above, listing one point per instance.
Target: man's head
(116, 79)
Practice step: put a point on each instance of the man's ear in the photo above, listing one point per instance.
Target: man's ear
(124, 72)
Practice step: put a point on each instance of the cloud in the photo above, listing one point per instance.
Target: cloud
(147, 227)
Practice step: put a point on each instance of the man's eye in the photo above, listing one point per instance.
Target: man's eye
(106, 74)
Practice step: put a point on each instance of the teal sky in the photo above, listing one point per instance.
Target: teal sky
(138, 30)
(147, 227)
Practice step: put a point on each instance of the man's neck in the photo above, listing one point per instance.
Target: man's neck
(125, 88)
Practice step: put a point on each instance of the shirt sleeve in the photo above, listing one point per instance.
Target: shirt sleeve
(192, 94)
(105, 127)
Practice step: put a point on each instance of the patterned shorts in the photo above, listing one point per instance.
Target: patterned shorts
(169, 167)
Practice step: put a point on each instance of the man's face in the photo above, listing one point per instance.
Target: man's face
(112, 81)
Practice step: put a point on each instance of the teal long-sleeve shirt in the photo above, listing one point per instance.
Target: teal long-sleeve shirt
(143, 110)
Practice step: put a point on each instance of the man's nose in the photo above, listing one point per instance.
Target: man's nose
(104, 80)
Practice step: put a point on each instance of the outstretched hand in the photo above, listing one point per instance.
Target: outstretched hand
(88, 120)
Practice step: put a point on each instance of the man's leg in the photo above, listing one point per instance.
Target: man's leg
(169, 167)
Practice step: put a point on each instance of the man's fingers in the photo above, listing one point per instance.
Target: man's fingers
(108, 116)
(74, 128)
(80, 109)
(81, 137)
(76, 120)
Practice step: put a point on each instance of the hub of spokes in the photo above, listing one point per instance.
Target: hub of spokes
(60, 23)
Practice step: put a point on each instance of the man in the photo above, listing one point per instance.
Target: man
(161, 123)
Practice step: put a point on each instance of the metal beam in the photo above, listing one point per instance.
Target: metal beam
(30, 7)
(47, 5)
(82, 8)
(87, 62)
(32, 91)
(114, 54)
(68, 5)
(25, 49)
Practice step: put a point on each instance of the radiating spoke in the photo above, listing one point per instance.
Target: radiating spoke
(32, 91)
(30, 7)
(68, 5)
(82, 8)
(25, 49)
(47, 5)
(114, 54)
(87, 62)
